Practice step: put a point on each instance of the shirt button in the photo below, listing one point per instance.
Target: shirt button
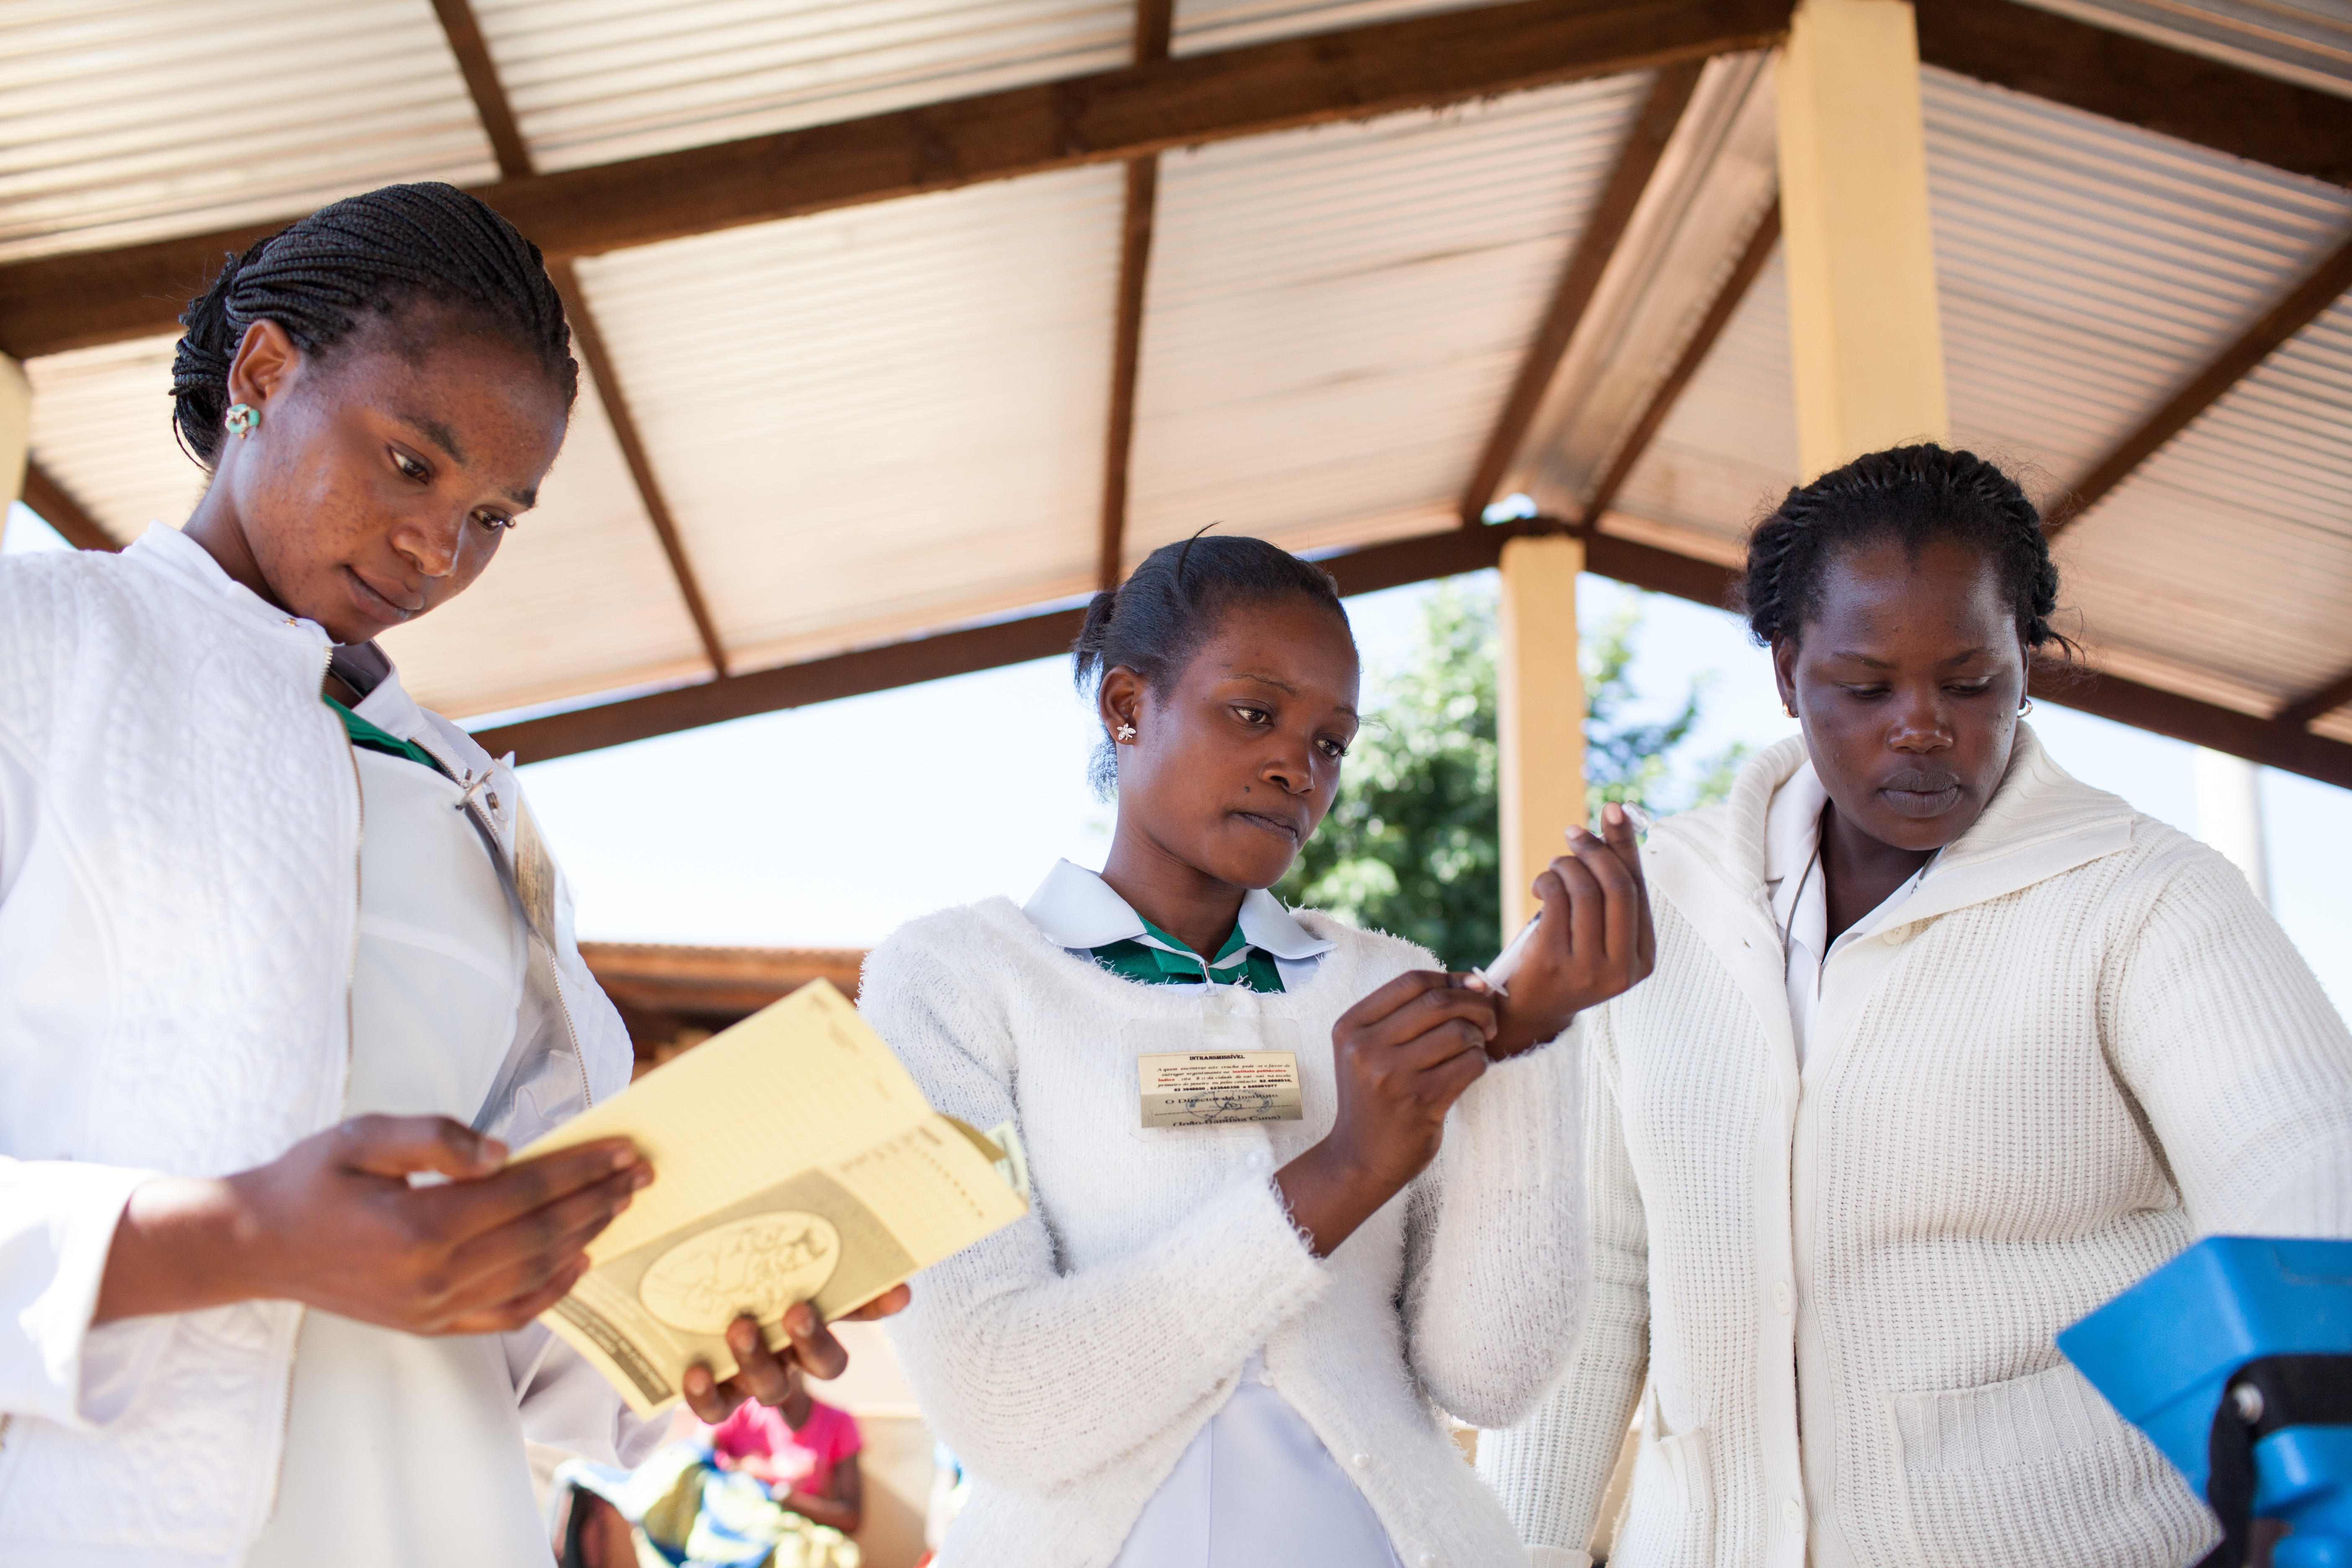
(1429, 1560)
(1361, 1461)
(1782, 1298)
(1793, 1512)
(1896, 938)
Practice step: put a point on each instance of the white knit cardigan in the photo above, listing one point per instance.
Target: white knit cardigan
(2079, 1046)
(1070, 1358)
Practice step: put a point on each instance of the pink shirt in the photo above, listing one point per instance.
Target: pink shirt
(757, 1439)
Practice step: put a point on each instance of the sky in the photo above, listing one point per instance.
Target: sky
(830, 825)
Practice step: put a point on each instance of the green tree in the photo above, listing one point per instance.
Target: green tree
(1412, 846)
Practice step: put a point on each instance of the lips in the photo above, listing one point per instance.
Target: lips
(388, 600)
(1921, 793)
(1293, 832)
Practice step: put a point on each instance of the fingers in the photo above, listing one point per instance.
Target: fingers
(1398, 993)
(401, 1145)
(1620, 900)
(710, 1400)
(518, 1255)
(1574, 904)
(888, 1304)
(515, 1312)
(814, 1346)
(1430, 1010)
(484, 1204)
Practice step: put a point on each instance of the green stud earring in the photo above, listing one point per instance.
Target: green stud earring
(244, 419)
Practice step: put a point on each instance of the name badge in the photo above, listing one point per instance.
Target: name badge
(1205, 1089)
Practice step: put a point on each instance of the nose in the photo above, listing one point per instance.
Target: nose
(432, 546)
(1921, 722)
(1292, 771)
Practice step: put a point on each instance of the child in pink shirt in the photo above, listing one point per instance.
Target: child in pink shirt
(803, 1451)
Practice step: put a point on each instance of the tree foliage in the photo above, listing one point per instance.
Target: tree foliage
(1411, 847)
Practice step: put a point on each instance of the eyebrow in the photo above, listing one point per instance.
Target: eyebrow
(1284, 687)
(1869, 663)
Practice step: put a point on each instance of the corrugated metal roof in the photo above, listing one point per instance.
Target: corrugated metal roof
(128, 121)
(102, 427)
(1335, 315)
(2307, 41)
(593, 80)
(1201, 26)
(880, 418)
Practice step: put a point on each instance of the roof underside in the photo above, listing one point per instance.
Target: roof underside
(916, 412)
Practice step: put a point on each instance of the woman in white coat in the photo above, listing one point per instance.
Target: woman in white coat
(1944, 1049)
(275, 939)
(1296, 1189)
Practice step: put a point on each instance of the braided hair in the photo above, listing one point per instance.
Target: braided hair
(1911, 494)
(377, 254)
(1155, 621)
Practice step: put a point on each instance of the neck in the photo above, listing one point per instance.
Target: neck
(797, 1408)
(214, 525)
(1191, 906)
(1858, 871)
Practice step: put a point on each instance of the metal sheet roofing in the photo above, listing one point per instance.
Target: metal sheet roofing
(881, 418)
(122, 121)
(1334, 315)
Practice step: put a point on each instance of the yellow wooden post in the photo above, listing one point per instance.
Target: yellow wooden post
(1540, 712)
(1860, 255)
(15, 423)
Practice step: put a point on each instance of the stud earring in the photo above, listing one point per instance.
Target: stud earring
(1124, 733)
(1789, 709)
(244, 419)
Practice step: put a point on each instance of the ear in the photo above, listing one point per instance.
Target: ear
(1784, 671)
(267, 363)
(1119, 702)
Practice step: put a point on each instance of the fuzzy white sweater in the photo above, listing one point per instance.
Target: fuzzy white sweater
(2079, 1046)
(1069, 1359)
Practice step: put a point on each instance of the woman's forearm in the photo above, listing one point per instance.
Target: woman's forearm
(183, 1244)
(845, 1517)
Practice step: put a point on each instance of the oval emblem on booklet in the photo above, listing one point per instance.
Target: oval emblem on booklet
(760, 1266)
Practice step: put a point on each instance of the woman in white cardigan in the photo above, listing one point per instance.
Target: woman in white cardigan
(1944, 1049)
(274, 939)
(1222, 1338)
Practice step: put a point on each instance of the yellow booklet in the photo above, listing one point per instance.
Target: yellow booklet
(795, 1161)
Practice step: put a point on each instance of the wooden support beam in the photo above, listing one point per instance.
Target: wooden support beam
(1424, 62)
(2302, 305)
(2171, 92)
(465, 34)
(1727, 299)
(1662, 111)
(1538, 714)
(1154, 24)
(2303, 710)
(61, 511)
(1865, 348)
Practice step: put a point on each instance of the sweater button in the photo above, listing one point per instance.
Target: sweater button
(1896, 937)
(1429, 1560)
(1361, 1461)
(1793, 1514)
(1782, 1299)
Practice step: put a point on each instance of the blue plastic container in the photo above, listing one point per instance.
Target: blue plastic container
(2164, 1351)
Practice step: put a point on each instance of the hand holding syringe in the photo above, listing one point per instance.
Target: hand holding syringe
(1592, 940)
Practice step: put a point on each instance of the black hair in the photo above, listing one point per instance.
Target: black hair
(1155, 621)
(1912, 494)
(374, 254)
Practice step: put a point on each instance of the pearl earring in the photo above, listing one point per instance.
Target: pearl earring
(1125, 732)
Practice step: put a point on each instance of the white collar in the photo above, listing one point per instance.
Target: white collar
(1077, 909)
(1792, 833)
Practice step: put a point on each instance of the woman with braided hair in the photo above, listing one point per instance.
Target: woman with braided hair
(284, 969)
(1943, 1049)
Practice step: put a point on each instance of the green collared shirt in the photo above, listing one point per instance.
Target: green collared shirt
(1158, 959)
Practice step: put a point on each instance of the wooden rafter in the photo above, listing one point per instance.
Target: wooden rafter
(1154, 22)
(1105, 117)
(474, 63)
(1726, 302)
(2316, 705)
(2302, 305)
(2176, 93)
(59, 508)
(1374, 567)
(1646, 144)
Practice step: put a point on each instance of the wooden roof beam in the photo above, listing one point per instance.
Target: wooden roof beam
(1653, 127)
(2301, 306)
(2142, 83)
(81, 299)
(1727, 299)
(2314, 706)
(1154, 25)
(464, 31)
(59, 508)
